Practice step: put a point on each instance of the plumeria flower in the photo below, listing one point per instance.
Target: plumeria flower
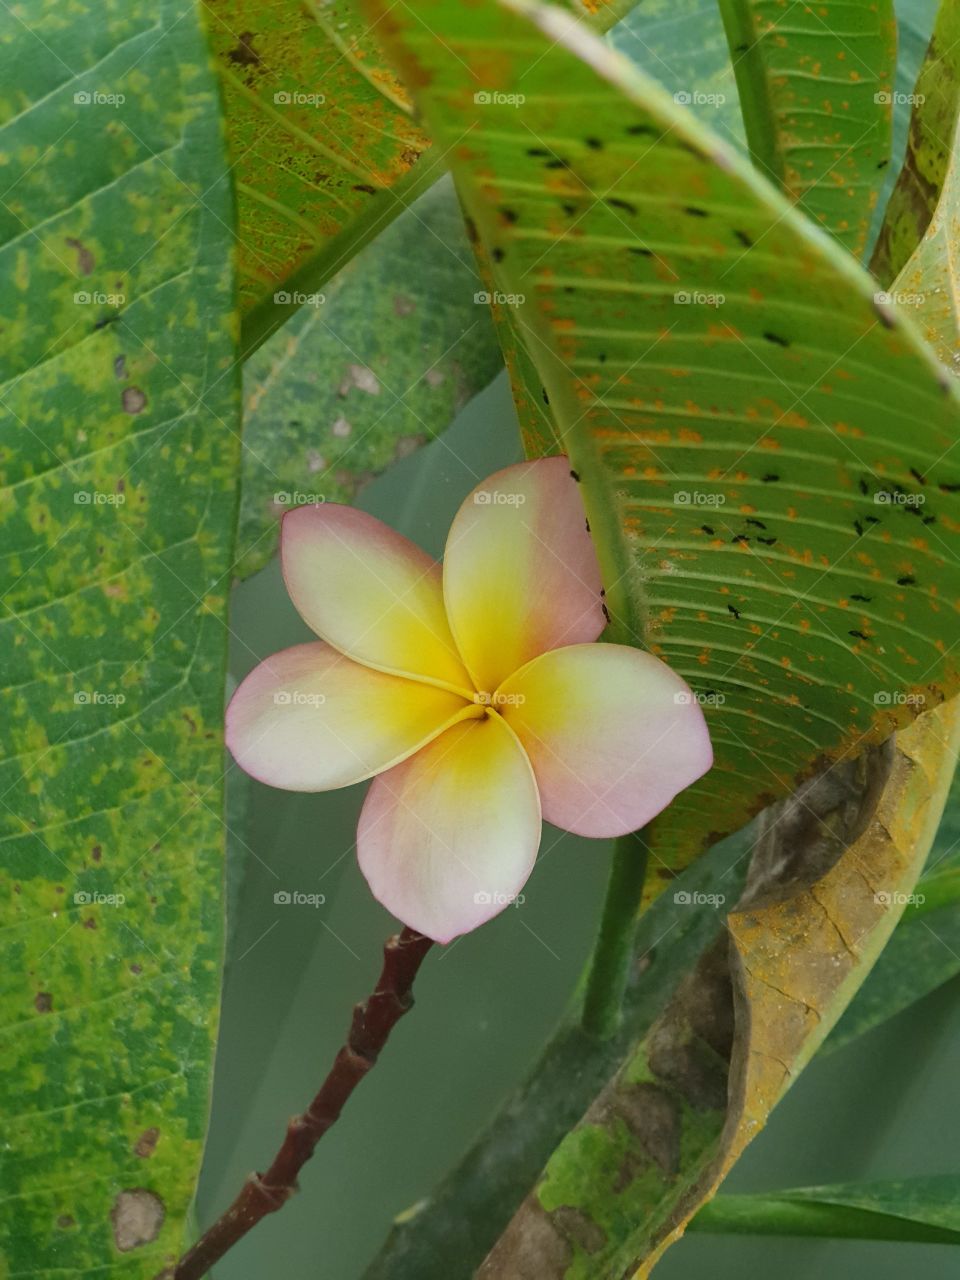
(472, 693)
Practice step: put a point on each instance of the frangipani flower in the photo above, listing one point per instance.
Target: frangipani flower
(473, 694)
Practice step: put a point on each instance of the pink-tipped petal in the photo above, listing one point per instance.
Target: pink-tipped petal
(369, 592)
(520, 575)
(448, 838)
(310, 719)
(613, 735)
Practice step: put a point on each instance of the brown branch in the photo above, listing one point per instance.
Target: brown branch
(373, 1021)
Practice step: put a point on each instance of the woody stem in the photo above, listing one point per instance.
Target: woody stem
(372, 1023)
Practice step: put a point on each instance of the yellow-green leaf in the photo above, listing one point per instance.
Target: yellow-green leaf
(119, 406)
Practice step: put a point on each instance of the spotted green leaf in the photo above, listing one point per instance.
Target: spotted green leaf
(320, 133)
(118, 458)
(911, 1209)
(764, 449)
(816, 85)
(378, 364)
(324, 146)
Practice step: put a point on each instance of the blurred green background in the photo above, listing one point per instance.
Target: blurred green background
(881, 1107)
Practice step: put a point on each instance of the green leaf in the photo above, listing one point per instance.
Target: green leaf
(319, 132)
(768, 481)
(380, 366)
(816, 86)
(118, 461)
(828, 880)
(912, 1209)
(933, 122)
(324, 147)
